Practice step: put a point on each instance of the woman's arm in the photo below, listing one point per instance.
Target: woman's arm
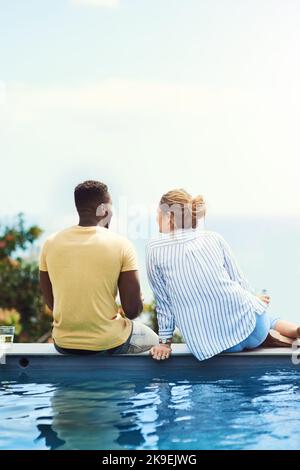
(165, 317)
(232, 266)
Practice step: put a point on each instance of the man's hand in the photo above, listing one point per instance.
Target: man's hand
(161, 352)
(265, 298)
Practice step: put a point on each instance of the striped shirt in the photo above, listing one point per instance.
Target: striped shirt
(199, 288)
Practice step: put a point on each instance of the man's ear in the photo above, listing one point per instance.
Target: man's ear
(101, 211)
(104, 220)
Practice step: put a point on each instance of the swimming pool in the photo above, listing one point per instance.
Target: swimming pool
(230, 402)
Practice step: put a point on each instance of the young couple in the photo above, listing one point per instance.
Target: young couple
(196, 282)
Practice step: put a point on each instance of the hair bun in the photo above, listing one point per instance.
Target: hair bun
(198, 206)
(186, 209)
(198, 200)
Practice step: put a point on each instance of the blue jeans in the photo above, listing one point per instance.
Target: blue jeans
(264, 323)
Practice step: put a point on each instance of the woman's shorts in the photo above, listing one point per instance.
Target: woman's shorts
(264, 323)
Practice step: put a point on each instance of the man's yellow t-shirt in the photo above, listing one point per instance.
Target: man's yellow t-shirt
(84, 264)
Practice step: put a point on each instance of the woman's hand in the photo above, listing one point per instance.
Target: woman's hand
(161, 352)
(265, 298)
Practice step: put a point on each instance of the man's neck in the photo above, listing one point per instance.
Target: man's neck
(87, 222)
(91, 223)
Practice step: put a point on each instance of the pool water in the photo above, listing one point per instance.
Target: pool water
(222, 408)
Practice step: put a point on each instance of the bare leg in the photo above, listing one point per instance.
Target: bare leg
(286, 328)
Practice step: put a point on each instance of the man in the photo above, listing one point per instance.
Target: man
(81, 270)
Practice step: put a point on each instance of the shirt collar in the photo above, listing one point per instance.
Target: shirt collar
(182, 234)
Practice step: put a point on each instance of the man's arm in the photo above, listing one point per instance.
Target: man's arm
(46, 288)
(130, 294)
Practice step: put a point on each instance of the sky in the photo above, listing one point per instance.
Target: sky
(149, 95)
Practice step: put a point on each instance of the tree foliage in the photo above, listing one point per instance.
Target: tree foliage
(20, 297)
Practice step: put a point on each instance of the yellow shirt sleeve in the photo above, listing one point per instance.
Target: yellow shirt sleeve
(42, 258)
(129, 261)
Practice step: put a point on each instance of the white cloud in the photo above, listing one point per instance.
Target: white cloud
(127, 96)
(96, 3)
(238, 142)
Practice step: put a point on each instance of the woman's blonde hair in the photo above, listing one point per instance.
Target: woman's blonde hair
(186, 210)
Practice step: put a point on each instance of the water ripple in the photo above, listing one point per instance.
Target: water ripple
(246, 411)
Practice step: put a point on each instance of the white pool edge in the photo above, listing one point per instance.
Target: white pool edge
(36, 349)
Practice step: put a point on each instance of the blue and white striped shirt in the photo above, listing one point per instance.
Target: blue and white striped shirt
(199, 288)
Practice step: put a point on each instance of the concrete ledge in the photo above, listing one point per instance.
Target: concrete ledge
(42, 361)
(35, 349)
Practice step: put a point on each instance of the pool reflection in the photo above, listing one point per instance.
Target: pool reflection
(216, 409)
(194, 414)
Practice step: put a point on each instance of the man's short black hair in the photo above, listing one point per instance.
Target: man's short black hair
(90, 194)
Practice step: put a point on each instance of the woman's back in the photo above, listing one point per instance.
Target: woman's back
(198, 286)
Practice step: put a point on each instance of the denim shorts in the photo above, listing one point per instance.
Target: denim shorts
(264, 323)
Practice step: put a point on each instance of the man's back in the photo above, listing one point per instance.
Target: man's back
(84, 265)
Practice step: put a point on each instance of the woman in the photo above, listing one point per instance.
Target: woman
(199, 288)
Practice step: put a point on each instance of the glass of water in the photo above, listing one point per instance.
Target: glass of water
(6, 336)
